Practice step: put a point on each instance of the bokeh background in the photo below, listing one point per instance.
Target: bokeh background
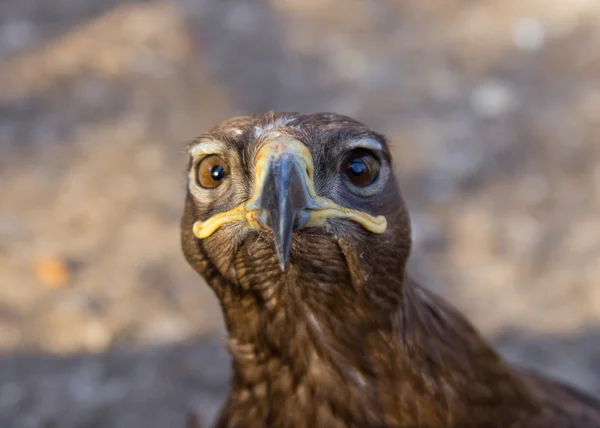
(493, 108)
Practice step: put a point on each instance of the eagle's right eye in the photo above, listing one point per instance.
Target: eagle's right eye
(211, 171)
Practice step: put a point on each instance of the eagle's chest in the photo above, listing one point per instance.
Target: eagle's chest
(281, 398)
(309, 390)
(277, 394)
(289, 377)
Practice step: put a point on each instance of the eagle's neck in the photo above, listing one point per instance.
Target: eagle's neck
(314, 347)
(310, 347)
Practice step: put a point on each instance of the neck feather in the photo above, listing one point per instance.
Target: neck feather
(337, 345)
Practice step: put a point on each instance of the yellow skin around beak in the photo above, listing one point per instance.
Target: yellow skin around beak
(326, 208)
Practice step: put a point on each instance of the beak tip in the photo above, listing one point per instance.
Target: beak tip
(283, 258)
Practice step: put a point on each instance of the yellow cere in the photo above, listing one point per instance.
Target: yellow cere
(275, 147)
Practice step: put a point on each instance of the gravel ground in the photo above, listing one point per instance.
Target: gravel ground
(492, 107)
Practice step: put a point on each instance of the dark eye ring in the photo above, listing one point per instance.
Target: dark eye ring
(361, 167)
(211, 171)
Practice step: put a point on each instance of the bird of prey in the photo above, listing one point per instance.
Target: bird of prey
(297, 224)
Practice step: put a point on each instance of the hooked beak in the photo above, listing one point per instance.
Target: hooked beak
(284, 201)
(284, 198)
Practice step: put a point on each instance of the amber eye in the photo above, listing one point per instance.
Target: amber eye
(361, 167)
(211, 171)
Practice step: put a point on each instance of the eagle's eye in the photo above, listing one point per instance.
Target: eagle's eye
(361, 167)
(211, 171)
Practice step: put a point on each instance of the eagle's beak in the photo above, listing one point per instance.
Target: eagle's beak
(284, 198)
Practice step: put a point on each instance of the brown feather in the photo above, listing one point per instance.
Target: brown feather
(344, 337)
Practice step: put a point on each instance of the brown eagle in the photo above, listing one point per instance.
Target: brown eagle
(297, 224)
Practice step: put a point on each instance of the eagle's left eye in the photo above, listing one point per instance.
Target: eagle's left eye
(211, 171)
(361, 167)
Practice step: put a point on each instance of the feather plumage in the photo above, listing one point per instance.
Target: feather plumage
(344, 337)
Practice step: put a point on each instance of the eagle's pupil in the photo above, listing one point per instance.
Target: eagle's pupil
(361, 167)
(357, 167)
(217, 172)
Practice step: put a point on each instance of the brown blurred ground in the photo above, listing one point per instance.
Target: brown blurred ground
(493, 107)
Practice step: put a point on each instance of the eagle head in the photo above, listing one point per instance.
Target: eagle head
(276, 197)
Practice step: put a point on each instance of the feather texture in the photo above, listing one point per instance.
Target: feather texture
(345, 337)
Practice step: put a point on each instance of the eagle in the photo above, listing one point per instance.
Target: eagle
(297, 223)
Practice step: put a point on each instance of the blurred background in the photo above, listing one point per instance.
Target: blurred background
(493, 107)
